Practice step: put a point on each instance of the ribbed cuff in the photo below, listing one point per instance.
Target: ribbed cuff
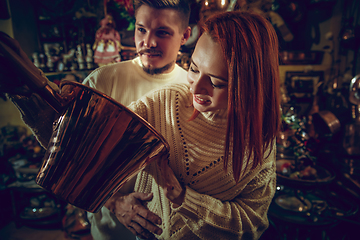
(190, 204)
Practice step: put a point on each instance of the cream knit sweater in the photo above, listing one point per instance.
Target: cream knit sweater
(215, 207)
(126, 81)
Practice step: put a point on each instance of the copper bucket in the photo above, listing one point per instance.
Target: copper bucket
(97, 144)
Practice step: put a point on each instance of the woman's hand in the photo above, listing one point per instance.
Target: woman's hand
(130, 211)
(172, 187)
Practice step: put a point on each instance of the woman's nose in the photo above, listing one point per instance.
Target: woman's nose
(199, 86)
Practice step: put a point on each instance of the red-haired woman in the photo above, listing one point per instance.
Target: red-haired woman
(219, 178)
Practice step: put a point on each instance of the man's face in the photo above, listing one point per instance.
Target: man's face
(158, 38)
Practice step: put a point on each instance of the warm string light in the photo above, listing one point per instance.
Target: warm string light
(219, 3)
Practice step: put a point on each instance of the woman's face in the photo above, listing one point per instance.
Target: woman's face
(208, 76)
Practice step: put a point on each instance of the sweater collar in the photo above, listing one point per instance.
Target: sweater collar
(156, 77)
(219, 116)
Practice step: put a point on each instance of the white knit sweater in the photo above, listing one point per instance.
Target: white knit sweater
(215, 207)
(127, 81)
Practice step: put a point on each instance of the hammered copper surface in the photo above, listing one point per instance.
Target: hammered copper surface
(97, 146)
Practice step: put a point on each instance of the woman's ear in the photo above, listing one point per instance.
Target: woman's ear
(186, 35)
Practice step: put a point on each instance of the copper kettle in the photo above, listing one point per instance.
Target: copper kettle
(97, 144)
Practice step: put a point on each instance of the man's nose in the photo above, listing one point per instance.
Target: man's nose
(149, 41)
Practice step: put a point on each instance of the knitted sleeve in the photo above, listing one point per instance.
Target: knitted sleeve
(245, 217)
(139, 107)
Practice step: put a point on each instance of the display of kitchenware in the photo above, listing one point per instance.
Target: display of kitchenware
(301, 57)
(326, 122)
(354, 90)
(351, 133)
(323, 176)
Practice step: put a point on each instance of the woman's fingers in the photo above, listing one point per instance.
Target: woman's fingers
(173, 190)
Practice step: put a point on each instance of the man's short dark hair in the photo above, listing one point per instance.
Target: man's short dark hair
(181, 6)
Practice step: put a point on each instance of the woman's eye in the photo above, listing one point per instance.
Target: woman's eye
(192, 69)
(217, 85)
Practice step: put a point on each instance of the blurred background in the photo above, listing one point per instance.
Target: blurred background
(318, 160)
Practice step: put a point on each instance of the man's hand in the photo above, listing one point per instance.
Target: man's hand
(130, 211)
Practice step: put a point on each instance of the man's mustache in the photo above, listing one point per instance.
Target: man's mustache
(149, 51)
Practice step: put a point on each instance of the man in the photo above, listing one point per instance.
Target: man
(161, 29)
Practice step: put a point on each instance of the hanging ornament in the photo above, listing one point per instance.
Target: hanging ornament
(107, 42)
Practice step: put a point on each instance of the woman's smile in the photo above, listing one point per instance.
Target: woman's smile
(201, 101)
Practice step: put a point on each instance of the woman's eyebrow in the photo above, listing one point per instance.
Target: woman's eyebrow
(220, 78)
(212, 75)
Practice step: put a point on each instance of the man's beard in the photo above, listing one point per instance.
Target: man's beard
(154, 71)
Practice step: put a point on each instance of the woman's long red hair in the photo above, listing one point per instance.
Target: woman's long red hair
(250, 46)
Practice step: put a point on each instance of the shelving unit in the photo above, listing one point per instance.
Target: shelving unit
(34, 206)
(63, 31)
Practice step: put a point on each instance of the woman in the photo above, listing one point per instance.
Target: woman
(220, 177)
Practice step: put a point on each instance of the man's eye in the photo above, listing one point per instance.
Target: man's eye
(142, 30)
(163, 33)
